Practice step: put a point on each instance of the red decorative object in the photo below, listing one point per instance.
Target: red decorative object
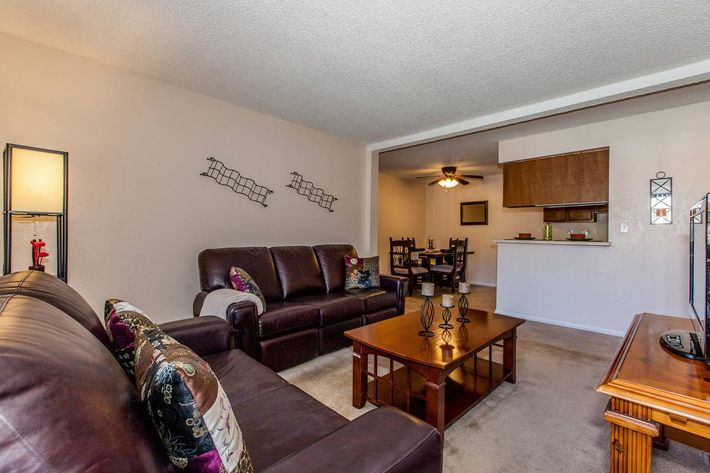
(38, 254)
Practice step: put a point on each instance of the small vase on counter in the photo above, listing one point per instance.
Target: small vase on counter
(547, 232)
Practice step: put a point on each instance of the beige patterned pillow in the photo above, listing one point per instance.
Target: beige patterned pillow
(362, 273)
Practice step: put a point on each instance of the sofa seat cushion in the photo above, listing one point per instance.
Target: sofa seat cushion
(242, 377)
(284, 317)
(188, 406)
(334, 307)
(375, 299)
(282, 422)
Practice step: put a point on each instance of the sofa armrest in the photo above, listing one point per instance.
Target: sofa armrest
(203, 335)
(383, 440)
(197, 303)
(397, 284)
(244, 320)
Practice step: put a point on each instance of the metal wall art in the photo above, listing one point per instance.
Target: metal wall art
(235, 181)
(661, 203)
(314, 194)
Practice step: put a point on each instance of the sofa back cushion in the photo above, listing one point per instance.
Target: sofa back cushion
(331, 259)
(214, 266)
(56, 292)
(298, 270)
(66, 403)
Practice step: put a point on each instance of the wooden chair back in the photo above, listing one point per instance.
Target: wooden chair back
(401, 255)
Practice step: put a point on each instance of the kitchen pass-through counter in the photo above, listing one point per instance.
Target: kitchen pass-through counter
(563, 283)
(555, 242)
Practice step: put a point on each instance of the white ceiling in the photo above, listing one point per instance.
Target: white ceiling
(373, 70)
(477, 153)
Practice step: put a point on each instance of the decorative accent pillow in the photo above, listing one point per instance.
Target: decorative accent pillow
(362, 273)
(241, 281)
(188, 407)
(123, 322)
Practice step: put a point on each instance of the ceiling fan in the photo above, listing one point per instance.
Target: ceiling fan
(449, 178)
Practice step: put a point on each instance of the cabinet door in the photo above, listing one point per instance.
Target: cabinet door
(591, 176)
(581, 214)
(573, 178)
(519, 184)
(555, 215)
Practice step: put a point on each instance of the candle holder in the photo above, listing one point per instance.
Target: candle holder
(463, 309)
(426, 317)
(446, 315)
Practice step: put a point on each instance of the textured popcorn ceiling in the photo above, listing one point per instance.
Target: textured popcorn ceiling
(373, 70)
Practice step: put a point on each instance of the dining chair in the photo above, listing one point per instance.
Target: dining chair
(404, 262)
(451, 273)
(452, 247)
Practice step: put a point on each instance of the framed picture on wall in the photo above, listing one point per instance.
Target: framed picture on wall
(474, 213)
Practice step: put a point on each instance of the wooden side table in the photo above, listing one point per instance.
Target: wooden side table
(655, 396)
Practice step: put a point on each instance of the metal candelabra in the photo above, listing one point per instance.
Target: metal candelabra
(426, 317)
(446, 315)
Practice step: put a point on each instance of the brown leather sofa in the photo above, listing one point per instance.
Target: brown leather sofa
(307, 307)
(67, 406)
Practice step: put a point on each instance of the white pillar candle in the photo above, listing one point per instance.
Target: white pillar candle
(427, 289)
(447, 300)
(464, 288)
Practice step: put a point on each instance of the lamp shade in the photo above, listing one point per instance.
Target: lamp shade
(37, 181)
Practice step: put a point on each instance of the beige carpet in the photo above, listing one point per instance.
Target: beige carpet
(549, 421)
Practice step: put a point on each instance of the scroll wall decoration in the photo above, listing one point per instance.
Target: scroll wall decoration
(312, 193)
(234, 180)
(661, 203)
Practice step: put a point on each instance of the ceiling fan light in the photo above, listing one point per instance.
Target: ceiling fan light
(448, 183)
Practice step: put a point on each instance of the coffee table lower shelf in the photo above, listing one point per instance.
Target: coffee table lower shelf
(465, 387)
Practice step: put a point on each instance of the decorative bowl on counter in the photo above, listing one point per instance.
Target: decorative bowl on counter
(578, 236)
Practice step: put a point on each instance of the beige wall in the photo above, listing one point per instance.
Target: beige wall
(400, 214)
(443, 222)
(645, 269)
(139, 210)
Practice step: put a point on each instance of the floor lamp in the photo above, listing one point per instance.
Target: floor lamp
(35, 185)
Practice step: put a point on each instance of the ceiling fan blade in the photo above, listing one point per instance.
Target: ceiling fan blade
(459, 180)
(471, 176)
(426, 177)
(434, 182)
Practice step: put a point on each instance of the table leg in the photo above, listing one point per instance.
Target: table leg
(632, 432)
(435, 401)
(359, 376)
(509, 355)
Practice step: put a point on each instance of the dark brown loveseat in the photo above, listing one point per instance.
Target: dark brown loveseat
(307, 307)
(67, 406)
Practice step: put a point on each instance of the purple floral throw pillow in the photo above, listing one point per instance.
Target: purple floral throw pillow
(241, 281)
(189, 409)
(123, 322)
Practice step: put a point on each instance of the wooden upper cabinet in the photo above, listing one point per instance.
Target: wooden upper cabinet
(575, 178)
(519, 184)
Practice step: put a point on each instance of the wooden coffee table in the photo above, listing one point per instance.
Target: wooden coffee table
(440, 380)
